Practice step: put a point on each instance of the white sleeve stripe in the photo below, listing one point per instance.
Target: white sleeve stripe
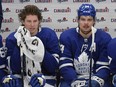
(65, 58)
(56, 56)
(102, 63)
(57, 60)
(50, 77)
(17, 75)
(2, 66)
(102, 68)
(65, 65)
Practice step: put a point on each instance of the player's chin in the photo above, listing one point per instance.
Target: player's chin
(86, 32)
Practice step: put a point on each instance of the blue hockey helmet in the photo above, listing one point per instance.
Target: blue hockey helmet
(87, 10)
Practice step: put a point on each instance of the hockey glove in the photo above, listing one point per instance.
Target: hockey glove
(37, 80)
(79, 83)
(11, 81)
(96, 82)
(114, 80)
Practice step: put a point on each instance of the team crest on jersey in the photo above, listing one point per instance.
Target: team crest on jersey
(82, 65)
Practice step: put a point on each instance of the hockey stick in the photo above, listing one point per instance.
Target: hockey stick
(92, 48)
(9, 68)
(90, 69)
(23, 60)
(58, 78)
(22, 64)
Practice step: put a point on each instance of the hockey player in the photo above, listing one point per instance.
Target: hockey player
(21, 44)
(84, 61)
(3, 51)
(112, 58)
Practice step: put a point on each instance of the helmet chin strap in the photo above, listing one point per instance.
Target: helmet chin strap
(93, 44)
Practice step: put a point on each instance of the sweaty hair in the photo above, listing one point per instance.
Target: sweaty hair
(30, 10)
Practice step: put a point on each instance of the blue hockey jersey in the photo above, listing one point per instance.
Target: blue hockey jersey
(76, 55)
(112, 55)
(2, 60)
(1, 14)
(50, 62)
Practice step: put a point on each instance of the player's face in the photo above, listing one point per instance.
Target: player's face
(85, 23)
(31, 23)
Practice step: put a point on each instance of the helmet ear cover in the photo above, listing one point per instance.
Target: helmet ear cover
(86, 10)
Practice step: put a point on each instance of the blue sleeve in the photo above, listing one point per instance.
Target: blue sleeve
(1, 44)
(66, 60)
(112, 55)
(14, 53)
(1, 14)
(10, 44)
(102, 64)
(52, 51)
